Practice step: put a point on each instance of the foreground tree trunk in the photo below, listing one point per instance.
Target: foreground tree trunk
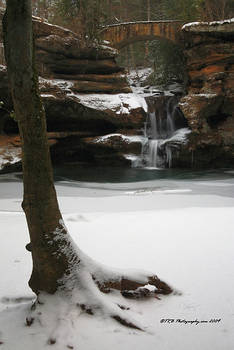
(40, 201)
(58, 265)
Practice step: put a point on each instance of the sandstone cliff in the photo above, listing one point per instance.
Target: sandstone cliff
(86, 96)
(84, 91)
(209, 104)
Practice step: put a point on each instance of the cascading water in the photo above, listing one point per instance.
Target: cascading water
(162, 132)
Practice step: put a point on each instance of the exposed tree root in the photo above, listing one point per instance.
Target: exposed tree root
(123, 307)
(29, 321)
(51, 341)
(126, 323)
(85, 308)
(83, 291)
(130, 288)
(108, 279)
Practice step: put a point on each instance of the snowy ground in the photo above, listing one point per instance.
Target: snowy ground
(181, 230)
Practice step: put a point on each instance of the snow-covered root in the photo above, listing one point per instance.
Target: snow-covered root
(82, 290)
(131, 283)
(128, 282)
(58, 315)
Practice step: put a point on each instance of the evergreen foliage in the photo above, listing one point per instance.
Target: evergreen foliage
(168, 63)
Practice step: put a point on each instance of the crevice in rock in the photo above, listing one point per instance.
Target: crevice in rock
(215, 120)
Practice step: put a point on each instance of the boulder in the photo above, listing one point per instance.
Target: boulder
(88, 150)
(119, 148)
(67, 109)
(76, 148)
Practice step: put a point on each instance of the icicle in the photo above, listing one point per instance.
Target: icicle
(170, 118)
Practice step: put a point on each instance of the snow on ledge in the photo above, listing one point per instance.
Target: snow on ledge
(198, 96)
(127, 139)
(204, 95)
(48, 96)
(187, 26)
(179, 137)
(61, 83)
(119, 103)
(10, 155)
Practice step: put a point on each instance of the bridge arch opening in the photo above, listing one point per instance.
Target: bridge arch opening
(122, 33)
(154, 44)
(144, 38)
(163, 57)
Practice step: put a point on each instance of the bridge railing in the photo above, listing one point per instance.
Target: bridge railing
(141, 22)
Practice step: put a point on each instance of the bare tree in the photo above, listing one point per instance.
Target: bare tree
(216, 10)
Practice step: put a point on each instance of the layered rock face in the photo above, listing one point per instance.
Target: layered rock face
(209, 104)
(60, 55)
(84, 91)
(86, 96)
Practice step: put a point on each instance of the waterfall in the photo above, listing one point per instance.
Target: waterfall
(165, 130)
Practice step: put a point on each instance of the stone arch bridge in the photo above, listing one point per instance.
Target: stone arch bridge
(122, 34)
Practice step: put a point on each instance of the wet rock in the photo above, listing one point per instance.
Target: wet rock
(73, 149)
(164, 105)
(117, 143)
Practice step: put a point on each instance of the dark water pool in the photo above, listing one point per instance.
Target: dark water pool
(118, 175)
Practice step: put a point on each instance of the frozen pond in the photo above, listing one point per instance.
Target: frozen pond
(178, 224)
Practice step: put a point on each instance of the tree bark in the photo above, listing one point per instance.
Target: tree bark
(56, 263)
(50, 258)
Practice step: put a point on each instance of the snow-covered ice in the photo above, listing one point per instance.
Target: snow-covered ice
(180, 229)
